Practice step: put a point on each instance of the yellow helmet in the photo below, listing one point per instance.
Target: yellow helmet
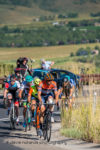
(37, 81)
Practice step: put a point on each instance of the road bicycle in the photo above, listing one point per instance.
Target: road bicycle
(12, 115)
(47, 126)
(28, 118)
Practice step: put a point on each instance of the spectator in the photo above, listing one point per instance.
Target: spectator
(46, 65)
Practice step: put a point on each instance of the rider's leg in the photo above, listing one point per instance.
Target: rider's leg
(33, 106)
(17, 110)
(42, 109)
(38, 117)
(51, 108)
(9, 97)
(24, 111)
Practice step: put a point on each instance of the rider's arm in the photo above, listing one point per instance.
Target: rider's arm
(55, 91)
(39, 92)
(5, 93)
(71, 91)
(6, 90)
(39, 96)
(29, 95)
(56, 96)
(20, 93)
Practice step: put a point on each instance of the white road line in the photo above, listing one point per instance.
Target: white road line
(7, 119)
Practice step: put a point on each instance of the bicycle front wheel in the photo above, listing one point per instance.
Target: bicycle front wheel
(12, 119)
(48, 131)
(45, 128)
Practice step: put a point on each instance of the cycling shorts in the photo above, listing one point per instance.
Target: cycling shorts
(45, 97)
(34, 98)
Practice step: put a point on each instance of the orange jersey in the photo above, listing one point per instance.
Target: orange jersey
(47, 89)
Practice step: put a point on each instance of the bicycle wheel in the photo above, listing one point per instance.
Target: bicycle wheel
(5, 103)
(45, 128)
(12, 119)
(48, 128)
(37, 119)
(26, 121)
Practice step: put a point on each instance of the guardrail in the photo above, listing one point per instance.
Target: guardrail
(2, 81)
(87, 79)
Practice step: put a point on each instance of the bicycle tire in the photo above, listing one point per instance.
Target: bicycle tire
(5, 103)
(26, 120)
(12, 120)
(45, 128)
(28, 124)
(48, 131)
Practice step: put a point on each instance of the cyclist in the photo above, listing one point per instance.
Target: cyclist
(25, 67)
(47, 90)
(22, 66)
(24, 90)
(12, 87)
(33, 94)
(67, 89)
(46, 64)
(18, 75)
(73, 84)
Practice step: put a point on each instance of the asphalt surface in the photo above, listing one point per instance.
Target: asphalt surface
(9, 138)
(5, 129)
(20, 140)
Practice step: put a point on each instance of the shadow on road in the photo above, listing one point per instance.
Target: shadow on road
(61, 141)
(96, 147)
(1, 105)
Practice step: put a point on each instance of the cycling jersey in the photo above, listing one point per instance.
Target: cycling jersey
(67, 89)
(13, 89)
(33, 91)
(47, 89)
(8, 85)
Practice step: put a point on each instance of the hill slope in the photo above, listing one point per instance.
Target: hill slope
(23, 11)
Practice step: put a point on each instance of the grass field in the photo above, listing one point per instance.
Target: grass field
(59, 54)
(10, 14)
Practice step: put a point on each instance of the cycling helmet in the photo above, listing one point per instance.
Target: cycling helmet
(37, 81)
(29, 78)
(66, 79)
(48, 77)
(12, 77)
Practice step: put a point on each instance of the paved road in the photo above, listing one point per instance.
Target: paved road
(19, 140)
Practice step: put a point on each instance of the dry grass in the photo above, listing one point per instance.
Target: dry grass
(10, 14)
(82, 123)
(59, 54)
(41, 52)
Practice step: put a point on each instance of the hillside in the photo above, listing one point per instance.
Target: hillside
(24, 11)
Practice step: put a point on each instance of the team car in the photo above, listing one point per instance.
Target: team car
(58, 74)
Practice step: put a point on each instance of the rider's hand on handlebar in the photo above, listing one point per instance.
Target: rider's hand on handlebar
(41, 103)
(56, 101)
(70, 97)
